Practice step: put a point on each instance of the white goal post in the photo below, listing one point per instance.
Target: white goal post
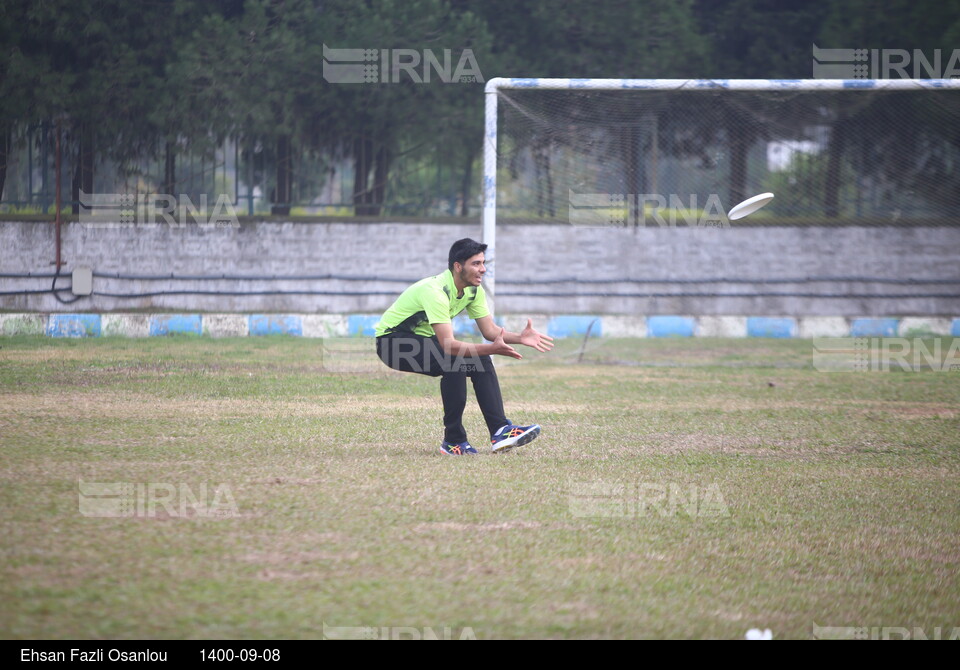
(495, 86)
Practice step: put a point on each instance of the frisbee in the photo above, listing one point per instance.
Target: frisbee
(749, 206)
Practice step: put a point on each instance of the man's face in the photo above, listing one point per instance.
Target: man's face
(472, 270)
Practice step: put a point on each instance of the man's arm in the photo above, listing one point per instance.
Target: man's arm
(455, 347)
(529, 336)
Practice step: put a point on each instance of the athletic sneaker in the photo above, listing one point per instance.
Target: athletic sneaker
(451, 449)
(511, 436)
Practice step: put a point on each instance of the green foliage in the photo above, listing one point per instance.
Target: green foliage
(137, 77)
(753, 39)
(800, 187)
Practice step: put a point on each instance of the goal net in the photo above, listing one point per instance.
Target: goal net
(682, 153)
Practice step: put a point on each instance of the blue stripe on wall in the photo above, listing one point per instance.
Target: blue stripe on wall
(73, 325)
(362, 324)
(168, 324)
(762, 326)
(670, 326)
(955, 329)
(874, 327)
(574, 325)
(275, 324)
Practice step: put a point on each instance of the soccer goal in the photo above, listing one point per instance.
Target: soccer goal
(661, 152)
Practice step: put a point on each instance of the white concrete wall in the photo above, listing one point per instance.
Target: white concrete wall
(703, 261)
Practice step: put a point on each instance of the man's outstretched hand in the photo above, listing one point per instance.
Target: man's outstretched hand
(534, 338)
(504, 349)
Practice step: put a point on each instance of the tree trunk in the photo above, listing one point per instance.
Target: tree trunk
(740, 141)
(4, 155)
(83, 170)
(361, 167)
(636, 180)
(283, 195)
(538, 173)
(831, 189)
(380, 180)
(465, 185)
(368, 197)
(548, 182)
(170, 170)
(545, 204)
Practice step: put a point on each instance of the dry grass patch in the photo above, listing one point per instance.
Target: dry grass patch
(121, 405)
(453, 526)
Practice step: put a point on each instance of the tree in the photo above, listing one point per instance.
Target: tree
(915, 158)
(98, 69)
(383, 119)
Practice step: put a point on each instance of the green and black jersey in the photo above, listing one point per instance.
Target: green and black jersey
(431, 300)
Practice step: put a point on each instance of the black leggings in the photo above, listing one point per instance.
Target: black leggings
(409, 352)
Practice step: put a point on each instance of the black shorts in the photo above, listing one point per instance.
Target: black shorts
(409, 352)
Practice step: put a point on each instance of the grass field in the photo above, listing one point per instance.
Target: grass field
(680, 489)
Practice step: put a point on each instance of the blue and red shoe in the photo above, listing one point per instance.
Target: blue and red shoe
(452, 449)
(511, 436)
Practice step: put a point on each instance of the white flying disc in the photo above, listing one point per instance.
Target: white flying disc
(749, 206)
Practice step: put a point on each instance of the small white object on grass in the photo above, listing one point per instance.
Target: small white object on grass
(757, 634)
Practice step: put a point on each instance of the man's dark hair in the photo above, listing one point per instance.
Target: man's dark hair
(462, 250)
